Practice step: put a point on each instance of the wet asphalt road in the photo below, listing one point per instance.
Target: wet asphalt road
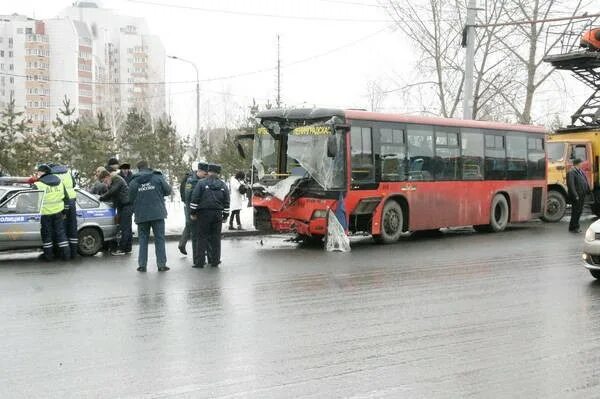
(460, 315)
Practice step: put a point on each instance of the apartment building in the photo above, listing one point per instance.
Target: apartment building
(24, 67)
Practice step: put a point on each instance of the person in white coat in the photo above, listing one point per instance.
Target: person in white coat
(237, 189)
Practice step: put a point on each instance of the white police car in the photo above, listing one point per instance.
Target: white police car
(20, 220)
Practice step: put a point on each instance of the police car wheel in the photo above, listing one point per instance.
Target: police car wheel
(90, 241)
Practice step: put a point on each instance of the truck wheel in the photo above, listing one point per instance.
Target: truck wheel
(556, 206)
(499, 214)
(90, 241)
(392, 220)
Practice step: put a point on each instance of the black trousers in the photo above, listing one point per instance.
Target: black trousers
(236, 214)
(71, 227)
(125, 214)
(209, 236)
(576, 210)
(53, 232)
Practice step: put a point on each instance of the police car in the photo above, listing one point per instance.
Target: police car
(20, 215)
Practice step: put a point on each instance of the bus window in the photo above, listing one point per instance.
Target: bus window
(516, 157)
(495, 157)
(392, 154)
(363, 170)
(420, 152)
(536, 160)
(445, 165)
(472, 154)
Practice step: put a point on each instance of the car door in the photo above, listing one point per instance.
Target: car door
(20, 220)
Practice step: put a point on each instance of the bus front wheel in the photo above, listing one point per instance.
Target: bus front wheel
(392, 220)
(499, 215)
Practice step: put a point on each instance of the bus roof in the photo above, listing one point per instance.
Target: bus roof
(322, 113)
(403, 118)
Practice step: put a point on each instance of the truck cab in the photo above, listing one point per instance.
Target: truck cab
(563, 148)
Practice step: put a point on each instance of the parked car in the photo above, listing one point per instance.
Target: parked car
(20, 220)
(591, 249)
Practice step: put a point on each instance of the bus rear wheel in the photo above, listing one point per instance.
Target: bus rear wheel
(499, 215)
(392, 220)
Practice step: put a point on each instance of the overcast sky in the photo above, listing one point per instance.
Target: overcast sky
(330, 49)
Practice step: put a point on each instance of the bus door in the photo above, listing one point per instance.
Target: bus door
(582, 151)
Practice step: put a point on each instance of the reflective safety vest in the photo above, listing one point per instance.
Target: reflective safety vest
(53, 198)
(67, 179)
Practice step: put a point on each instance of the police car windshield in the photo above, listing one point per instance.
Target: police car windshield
(2, 193)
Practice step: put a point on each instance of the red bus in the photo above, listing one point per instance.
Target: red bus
(391, 173)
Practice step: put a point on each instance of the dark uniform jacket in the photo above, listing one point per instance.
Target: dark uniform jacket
(183, 184)
(577, 184)
(190, 185)
(147, 191)
(210, 193)
(118, 192)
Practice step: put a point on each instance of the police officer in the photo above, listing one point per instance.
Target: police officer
(66, 177)
(53, 205)
(209, 206)
(191, 225)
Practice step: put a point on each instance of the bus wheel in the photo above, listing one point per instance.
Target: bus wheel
(392, 221)
(595, 273)
(499, 214)
(556, 206)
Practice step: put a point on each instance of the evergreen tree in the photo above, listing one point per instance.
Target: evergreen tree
(13, 140)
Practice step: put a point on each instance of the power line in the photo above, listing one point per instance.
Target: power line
(254, 14)
(538, 21)
(226, 77)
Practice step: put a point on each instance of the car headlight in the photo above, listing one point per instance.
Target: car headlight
(590, 235)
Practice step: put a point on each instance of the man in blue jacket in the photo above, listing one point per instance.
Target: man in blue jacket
(147, 191)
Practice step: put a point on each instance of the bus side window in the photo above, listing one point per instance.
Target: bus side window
(472, 154)
(420, 152)
(361, 144)
(392, 154)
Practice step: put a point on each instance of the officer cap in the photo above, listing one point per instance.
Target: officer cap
(44, 168)
(113, 161)
(212, 167)
(203, 166)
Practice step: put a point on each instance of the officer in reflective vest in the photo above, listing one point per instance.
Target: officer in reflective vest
(53, 205)
(65, 176)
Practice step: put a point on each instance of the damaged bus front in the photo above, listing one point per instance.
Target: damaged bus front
(299, 169)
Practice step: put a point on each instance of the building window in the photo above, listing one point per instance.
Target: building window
(28, 31)
(1, 53)
(20, 30)
(10, 54)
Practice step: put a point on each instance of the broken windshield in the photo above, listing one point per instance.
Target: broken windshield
(313, 151)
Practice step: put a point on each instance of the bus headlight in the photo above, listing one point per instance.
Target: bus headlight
(590, 235)
(321, 213)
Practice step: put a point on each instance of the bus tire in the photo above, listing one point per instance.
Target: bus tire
(392, 220)
(556, 206)
(499, 215)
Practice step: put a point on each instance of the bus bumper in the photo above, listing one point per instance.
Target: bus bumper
(311, 228)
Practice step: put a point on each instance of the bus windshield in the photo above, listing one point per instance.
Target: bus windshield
(310, 151)
(556, 151)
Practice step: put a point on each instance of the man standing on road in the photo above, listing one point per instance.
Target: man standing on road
(66, 177)
(192, 225)
(147, 191)
(52, 222)
(118, 193)
(578, 187)
(210, 206)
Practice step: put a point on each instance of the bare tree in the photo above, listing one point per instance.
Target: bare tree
(375, 95)
(508, 56)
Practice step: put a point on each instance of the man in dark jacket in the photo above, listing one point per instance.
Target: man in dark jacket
(125, 172)
(209, 206)
(578, 187)
(53, 206)
(147, 190)
(118, 193)
(185, 234)
(191, 226)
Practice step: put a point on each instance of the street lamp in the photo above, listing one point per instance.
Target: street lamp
(197, 96)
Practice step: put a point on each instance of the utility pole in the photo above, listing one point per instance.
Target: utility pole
(469, 43)
(278, 75)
